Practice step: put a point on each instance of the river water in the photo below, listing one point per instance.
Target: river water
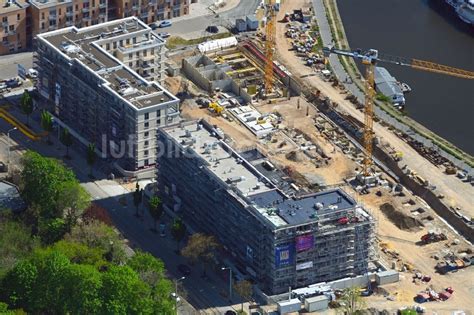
(427, 30)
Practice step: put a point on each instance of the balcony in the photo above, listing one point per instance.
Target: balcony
(85, 10)
(5, 24)
(11, 32)
(69, 13)
(52, 27)
(69, 23)
(103, 5)
(52, 17)
(144, 15)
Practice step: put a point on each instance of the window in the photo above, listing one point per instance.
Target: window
(77, 7)
(42, 25)
(130, 64)
(18, 37)
(128, 42)
(144, 53)
(59, 11)
(130, 56)
(115, 45)
(137, 54)
(11, 28)
(146, 143)
(5, 19)
(158, 113)
(121, 42)
(146, 134)
(107, 46)
(18, 17)
(42, 15)
(145, 152)
(147, 115)
(5, 39)
(147, 124)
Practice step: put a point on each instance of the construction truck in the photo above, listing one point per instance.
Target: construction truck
(216, 108)
(433, 237)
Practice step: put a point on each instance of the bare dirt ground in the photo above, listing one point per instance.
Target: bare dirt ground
(457, 193)
(404, 242)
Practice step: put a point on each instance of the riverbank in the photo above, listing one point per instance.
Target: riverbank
(458, 157)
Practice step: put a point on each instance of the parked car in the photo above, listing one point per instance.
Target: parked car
(154, 26)
(184, 269)
(13, 83)
(164, 34)
(212, 29)
(165, 24)
(32, 73)
(230, 312)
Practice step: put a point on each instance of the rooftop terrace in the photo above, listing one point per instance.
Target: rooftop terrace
(89, 47)
(247, 181)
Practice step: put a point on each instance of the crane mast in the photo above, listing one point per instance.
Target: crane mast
(270, 30)
(370, 59)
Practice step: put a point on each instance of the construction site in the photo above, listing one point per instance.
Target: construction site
(307, 125)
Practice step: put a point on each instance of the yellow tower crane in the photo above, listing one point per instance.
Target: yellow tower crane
(370, 59)
(270, 31)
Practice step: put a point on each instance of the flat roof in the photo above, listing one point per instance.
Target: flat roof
(241, 176)
(48, 3)
(12, 6)
(220, 159)
(89, 47)
(303, 209)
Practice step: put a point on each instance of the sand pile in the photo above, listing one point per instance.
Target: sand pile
(401, 220)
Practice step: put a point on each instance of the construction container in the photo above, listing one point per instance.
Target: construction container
(316, 303)
(289, 306)
(252, 22)
(386, 277)
(240, 25)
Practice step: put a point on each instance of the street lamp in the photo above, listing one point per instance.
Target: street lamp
(8, 134)
(230, 281)
(176, 293)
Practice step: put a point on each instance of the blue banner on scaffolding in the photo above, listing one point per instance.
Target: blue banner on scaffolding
(284, 255)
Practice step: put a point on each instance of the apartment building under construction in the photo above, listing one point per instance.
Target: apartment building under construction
(101, 83)
(281, 239)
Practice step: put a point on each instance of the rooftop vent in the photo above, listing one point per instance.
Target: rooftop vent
(235, 179)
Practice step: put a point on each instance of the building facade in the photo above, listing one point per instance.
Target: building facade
(13, 31)
(50, 15)
(281, 239)
(87, 80)
(150, 11)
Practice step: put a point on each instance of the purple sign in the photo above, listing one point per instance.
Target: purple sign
(304, 242)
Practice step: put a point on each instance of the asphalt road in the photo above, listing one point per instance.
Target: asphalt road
(196, 26)
(9, 64)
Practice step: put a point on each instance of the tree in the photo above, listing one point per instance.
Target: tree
(91, 157)
(124, 293)
(26, 105)
(66, 139)
(52, 230)
(351, 301)
(178, 231)
(15, 243)
(156, 209)
(95, 234)
(41, 181)
(65, 279)
(72, 200)
(201, 248)
(137, 198)
(47, 123)
(244, 289)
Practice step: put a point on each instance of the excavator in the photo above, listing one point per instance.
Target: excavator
(370, 58)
